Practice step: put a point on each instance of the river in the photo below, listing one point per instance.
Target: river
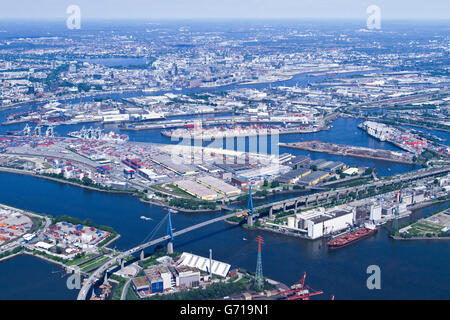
(409, 269)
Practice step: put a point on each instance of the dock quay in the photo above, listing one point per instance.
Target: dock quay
(353, 151)
(217, 121)
(218, 133)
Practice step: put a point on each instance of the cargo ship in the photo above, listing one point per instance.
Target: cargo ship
(98, 134)
(352, 237)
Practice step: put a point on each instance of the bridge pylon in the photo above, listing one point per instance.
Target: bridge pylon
(250, 207)
(169, 233)
(105, 279)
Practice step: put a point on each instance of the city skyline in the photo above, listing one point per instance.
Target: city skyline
(230, 9)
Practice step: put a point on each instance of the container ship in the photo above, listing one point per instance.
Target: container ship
(98, 134)
(352, 237)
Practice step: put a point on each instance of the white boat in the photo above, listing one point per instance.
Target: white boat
(146, 218)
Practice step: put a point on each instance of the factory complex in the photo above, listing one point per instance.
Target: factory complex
(66, 240)
(189, 271)
(321, 222)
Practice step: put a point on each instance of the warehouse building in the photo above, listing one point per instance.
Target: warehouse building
(194, 261)
(174, 164)
(196, 189)
(240, 181)
(317, 162)
(332, 166)
(299, 161)
(318, 222)
(313, 178)
(219, 186)
(294, 175)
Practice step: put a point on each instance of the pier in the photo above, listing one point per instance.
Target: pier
(345, 150)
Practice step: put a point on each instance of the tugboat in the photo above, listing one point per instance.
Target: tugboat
(352, 237)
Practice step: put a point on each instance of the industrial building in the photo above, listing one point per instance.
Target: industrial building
(174, 163)
(240, 181)
(186, 277)
(204, 264)
(375, 212)
(140, 285)
(299, 161)
(294, 175)
(313, 178)
(318, 222)
(351, 171)
(196, 189)
(219, 186)
(159, 279)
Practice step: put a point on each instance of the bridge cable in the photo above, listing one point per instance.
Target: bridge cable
(150, 236)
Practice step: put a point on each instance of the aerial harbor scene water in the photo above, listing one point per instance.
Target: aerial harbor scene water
(258, 159)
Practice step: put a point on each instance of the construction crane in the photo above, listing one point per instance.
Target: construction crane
(300, 291)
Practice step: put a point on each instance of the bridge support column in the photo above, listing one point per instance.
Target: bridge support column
(122, 264)
(169, 247)
(317, 200)
(250, 220)
(142, 256)
(105, 280)
(296, 205)
(284, 207)
(271, 213)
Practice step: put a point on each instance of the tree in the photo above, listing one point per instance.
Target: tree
(86, 181)
(275, 184)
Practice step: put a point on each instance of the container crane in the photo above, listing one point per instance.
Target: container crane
(299, 291)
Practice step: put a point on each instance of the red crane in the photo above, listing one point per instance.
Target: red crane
(299, 291)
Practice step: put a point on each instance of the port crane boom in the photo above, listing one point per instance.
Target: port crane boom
(299, 291)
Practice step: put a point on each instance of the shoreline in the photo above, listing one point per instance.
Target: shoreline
(419, 238)
(288, 145)
(32, 174)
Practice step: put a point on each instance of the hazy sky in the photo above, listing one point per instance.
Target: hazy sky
(204, 9)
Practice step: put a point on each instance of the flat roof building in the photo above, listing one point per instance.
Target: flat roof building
(219, 186)
(196, 189)
(313, 178)
(294, 175)
(194, 261)
(174, 164)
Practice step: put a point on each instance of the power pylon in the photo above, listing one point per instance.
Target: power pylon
(259, 280)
